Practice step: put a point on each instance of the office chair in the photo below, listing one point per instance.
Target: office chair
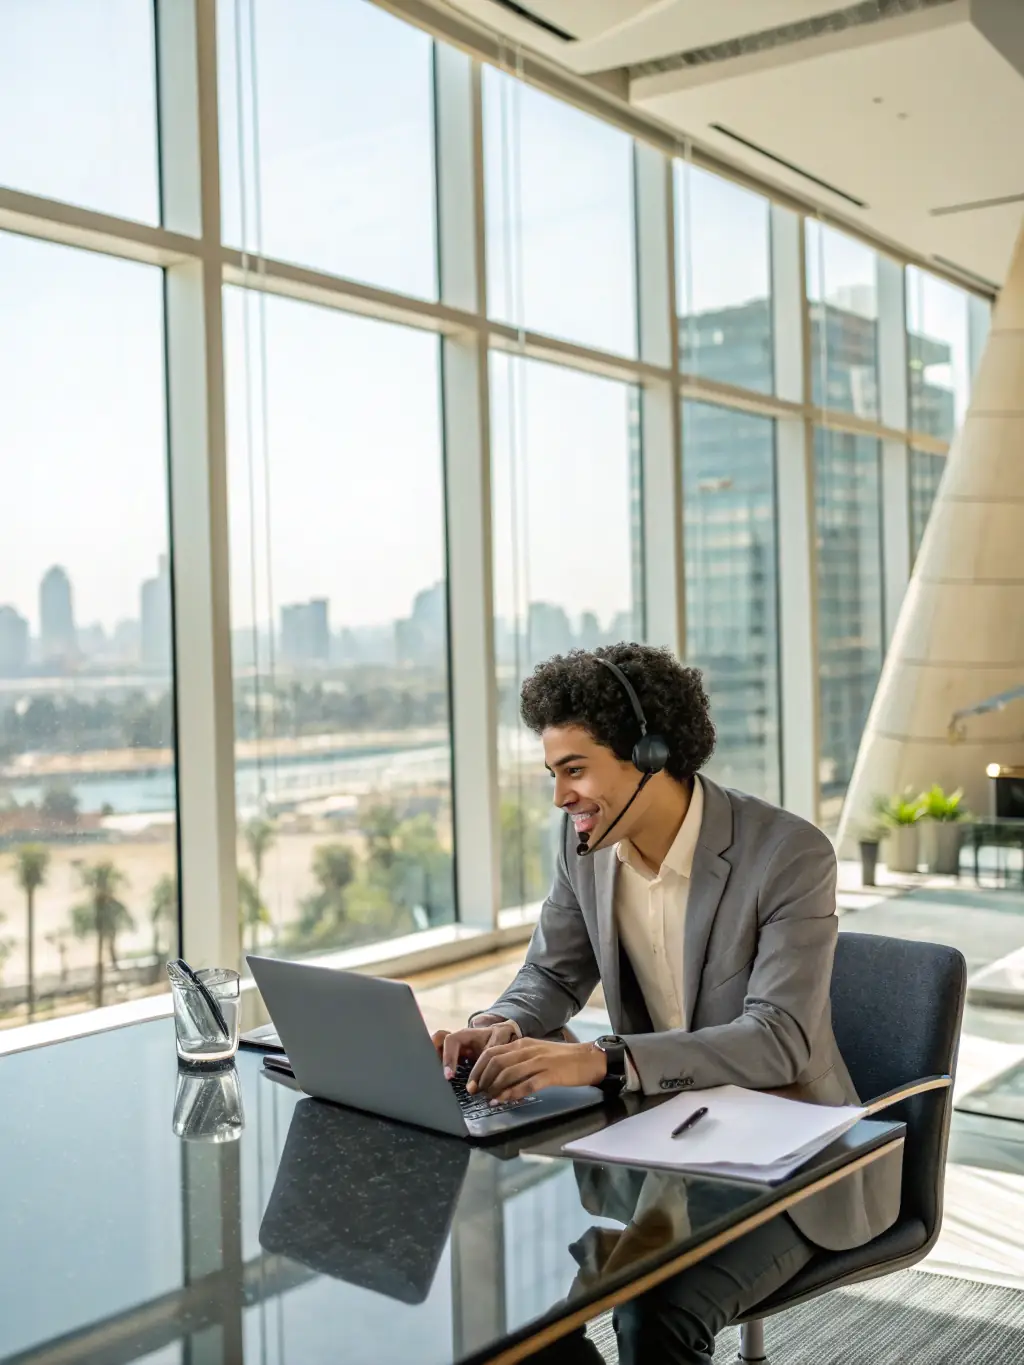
(897, 1007)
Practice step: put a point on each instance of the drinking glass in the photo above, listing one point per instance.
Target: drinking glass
(206, 1030)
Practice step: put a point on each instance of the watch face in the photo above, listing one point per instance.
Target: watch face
(608, 1040)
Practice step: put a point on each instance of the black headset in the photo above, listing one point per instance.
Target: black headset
(650, 752)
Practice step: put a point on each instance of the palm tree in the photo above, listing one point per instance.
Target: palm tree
(251, 910)
(259, 837)
(59, 940)
(163, 906)
(31, 863)
(324, 913)
(103, 914)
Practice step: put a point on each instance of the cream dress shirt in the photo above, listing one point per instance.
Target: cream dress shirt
(650, 915)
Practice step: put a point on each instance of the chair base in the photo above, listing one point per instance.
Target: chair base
(752, 1343)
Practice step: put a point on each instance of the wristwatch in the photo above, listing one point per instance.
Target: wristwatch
(614, 1049)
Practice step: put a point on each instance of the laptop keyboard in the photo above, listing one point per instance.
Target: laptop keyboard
(479, 1106)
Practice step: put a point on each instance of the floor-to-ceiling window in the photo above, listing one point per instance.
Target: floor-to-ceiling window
(339, 609)
(565, 444)
(723, 280)
(88, 860)
(848, 528)
(729, 537)
(565, 475)
(842, 288)
(559, 218)
(938, 353)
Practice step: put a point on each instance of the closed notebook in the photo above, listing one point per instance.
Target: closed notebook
(745, 1135)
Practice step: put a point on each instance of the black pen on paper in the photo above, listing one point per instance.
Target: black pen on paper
(687, 1124)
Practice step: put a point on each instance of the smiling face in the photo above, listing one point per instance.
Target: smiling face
(591, 783)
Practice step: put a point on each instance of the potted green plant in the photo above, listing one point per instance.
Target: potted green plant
(941, 830)
(901, 817)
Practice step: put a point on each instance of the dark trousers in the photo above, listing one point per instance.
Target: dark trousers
(676, 1322)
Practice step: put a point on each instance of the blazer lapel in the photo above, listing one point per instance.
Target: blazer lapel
(707, 882)
(606, 863)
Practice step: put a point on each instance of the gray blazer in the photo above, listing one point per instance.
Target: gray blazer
(759, 942)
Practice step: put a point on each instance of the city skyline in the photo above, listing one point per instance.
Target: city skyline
(302, 632)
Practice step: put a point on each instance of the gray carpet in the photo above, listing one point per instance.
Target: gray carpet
(908, 1317)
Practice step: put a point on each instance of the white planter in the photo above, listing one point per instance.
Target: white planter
(940, 844)
(902, 848)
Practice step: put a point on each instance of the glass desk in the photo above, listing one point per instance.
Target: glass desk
(311, 1233)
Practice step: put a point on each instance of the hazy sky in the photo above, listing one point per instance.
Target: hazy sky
(343, 427)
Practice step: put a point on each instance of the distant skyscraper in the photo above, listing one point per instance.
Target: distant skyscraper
(548, 632)
(56, 615)
(590, 631)
(13, 643)
(155, 620)
(305, 632)
(422, 638)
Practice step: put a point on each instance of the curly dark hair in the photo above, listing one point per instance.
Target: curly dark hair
(573, 689)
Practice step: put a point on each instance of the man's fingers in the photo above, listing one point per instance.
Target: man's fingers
(510, 1072)
(438, 1040)
(497, 1060)
(454, 1044)
(519, 1092)
(495, 1050)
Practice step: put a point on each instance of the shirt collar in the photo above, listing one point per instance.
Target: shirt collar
(679, 858)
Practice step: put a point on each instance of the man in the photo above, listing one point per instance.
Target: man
(709, 920)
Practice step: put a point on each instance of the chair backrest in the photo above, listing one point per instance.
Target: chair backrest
(897, 1006)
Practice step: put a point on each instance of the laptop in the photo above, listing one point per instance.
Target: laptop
(363, 1200)
(361, 1041)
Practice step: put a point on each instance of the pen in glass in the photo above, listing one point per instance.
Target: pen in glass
(687, 1124)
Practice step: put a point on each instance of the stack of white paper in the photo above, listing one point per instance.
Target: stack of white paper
(745, 1135)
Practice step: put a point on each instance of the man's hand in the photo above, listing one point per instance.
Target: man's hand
(466, 1044)
(511, 1071)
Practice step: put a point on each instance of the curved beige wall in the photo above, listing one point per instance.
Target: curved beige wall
(960, 635)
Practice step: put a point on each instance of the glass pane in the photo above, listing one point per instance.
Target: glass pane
(327, 139)
(78, 103)
(732, 587)
(723, 262)
(566, 474)
(842, 287)
(938, 353)
(339, 606)
(559, 188)
(87, 768)
(926, 472)
(848, 517)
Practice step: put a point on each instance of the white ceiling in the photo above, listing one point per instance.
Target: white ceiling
(831, 104)
(680, 25)
(906, 124)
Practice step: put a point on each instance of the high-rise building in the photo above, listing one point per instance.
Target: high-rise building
(730, 534)
(57, 637)
(13, 643)
(305, 632)
(155, 620)
(422, 637)
(548, 632)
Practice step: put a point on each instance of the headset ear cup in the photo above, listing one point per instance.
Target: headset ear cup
(650, 754)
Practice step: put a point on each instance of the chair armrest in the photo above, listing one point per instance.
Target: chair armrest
(904, 1092)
